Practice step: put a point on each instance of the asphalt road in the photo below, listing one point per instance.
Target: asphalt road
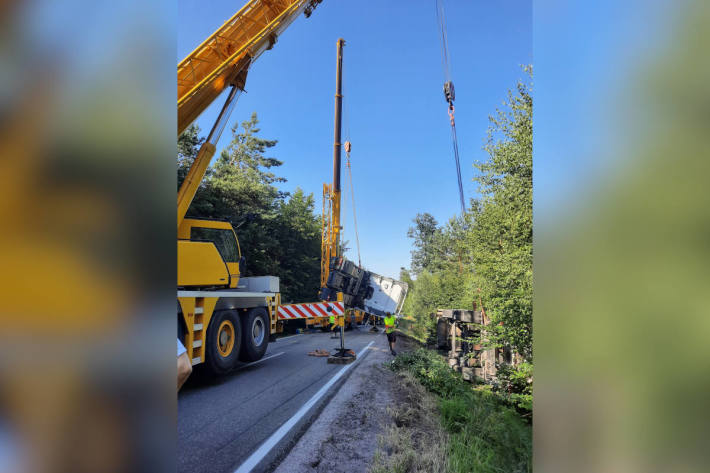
(222, 422)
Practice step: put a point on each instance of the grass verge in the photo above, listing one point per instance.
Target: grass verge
(414, 441)
(484, 434)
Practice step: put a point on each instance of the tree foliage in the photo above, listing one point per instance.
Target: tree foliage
(424, 233)
(298, 253)
(279, 234)
(487, 252)
(188, 145)
(500, 237)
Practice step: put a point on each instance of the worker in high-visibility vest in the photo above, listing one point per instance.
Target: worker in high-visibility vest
(389, 328)
(331, 318)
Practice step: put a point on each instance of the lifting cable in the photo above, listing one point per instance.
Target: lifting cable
(449, 94)
(352, 197)
(348, 147)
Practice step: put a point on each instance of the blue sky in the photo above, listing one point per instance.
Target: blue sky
(402, 161)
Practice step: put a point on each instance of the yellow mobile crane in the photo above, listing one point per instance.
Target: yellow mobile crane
(223, 317)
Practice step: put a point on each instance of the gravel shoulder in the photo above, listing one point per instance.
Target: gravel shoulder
(346, 435)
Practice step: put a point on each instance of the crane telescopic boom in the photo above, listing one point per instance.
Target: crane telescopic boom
(223, 60)
(330, 237)
(215, 64)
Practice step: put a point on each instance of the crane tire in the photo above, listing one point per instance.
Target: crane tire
(255, 334)
(224, 340)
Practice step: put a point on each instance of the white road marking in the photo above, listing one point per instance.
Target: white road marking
(290, 336)
(259, 361)
(276, 437)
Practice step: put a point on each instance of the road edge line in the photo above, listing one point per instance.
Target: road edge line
(239, 368)
(286, 338)
(261, 452)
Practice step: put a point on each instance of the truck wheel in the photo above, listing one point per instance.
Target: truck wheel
(224, 341)
(477, 318)
(255, 334)
(466, 316)
(442, 333)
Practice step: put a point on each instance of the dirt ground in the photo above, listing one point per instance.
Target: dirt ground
(349, 431)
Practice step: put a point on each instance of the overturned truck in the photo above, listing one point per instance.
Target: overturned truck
(461, 332)
(350, 291)
(363, 290)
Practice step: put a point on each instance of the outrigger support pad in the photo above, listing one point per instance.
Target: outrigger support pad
(342, 356)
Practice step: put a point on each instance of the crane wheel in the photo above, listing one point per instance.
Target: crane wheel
(255, 334)
(224, 341)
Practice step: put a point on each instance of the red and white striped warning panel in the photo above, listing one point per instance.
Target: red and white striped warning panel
(305, 311)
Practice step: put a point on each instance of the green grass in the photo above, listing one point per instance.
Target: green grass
(485, 434)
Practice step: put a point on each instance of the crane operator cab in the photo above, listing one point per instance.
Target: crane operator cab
(208, 254)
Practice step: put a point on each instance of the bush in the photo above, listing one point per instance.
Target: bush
(431, 371)
(515, 385)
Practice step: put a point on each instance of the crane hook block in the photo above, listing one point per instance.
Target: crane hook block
(449, 91)
(347, 146)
